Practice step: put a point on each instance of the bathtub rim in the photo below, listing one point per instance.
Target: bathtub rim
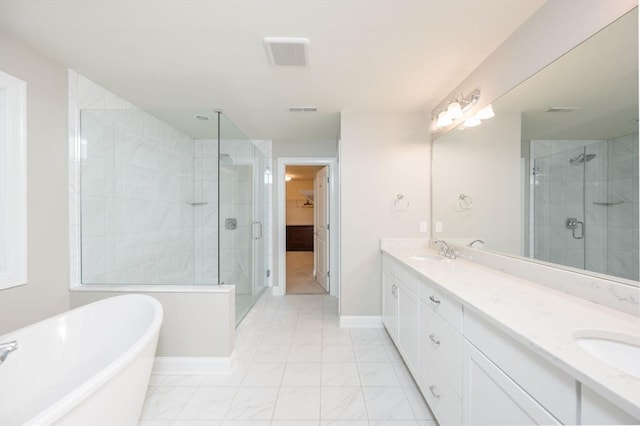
(63, 405)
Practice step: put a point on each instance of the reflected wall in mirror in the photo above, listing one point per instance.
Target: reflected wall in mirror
(554, 175)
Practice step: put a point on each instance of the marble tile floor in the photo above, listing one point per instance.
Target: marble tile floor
(295, 367)
(300, 274)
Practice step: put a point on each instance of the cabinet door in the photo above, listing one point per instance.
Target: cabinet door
(409, 327)
(490, 397)
(390, 304)
(595, 410)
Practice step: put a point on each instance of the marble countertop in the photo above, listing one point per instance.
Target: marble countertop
(542, 318)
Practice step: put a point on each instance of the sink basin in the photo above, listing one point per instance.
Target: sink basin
(426, 257)
(618, 350)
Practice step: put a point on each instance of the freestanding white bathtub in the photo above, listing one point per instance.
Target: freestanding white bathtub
(88, 366)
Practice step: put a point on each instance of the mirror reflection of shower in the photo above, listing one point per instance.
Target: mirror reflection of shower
(581, 159)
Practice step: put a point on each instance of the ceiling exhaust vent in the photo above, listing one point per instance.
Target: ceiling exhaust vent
(563, 109)
(287, 50)
(303, 109)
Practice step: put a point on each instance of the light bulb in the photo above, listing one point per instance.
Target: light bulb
(444, 120)
(454, 110)
(287, 178)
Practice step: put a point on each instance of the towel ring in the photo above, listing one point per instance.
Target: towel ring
(400, 203)
(465, 202)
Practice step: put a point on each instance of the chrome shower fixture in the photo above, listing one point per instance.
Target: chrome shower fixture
(580, 159)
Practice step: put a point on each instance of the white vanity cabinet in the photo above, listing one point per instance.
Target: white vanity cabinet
(401, 311)
(470, 370)
(492, 398)
(440, 380)
(595, 410)
(390, 303)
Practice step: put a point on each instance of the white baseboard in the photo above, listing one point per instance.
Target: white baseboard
(194, 365)
(361, 321)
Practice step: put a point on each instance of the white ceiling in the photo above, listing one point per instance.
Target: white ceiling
(378, 55)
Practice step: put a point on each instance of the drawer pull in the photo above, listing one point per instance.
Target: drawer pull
(434, 339)
(434, 392)
(434, 300)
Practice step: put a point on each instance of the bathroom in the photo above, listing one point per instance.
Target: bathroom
(400, 163)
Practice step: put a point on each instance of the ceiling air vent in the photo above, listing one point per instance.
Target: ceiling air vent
(287, 50)
(302, 109)
(563, 109)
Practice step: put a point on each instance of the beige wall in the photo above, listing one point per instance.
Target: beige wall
(381, 155)
(46, 292)
(296, 214)
(484, 163)
(210, 317)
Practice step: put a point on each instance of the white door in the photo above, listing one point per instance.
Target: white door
(321, 225)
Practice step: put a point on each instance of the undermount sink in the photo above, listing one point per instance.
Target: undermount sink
(620, 351)
(426, 257)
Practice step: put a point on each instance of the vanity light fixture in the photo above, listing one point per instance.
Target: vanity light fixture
(453, 110)
(444, 119)
(287, 178)
(485, 113)
(472, 121)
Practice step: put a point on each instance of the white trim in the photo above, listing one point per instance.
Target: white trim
(194, 365)
(13, 95)
(334, 199)
(361, 321)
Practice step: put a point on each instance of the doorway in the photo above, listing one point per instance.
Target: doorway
(307, 209)
(304, 218)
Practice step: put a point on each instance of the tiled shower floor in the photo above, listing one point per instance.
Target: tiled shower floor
(295, 367)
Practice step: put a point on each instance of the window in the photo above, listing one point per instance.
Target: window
(13, 181)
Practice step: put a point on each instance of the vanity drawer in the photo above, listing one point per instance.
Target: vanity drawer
(443, 344)
(443, 305)
(440, 395)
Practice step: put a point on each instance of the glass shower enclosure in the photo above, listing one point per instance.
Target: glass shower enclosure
(172, 198)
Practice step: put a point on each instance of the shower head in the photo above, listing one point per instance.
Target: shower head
(580, 159)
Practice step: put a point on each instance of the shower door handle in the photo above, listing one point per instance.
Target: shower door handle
(572, 223)
(259, 235)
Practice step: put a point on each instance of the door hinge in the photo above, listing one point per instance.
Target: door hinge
(328, 181)
(328, 227)
(327, 274)
(268, 273)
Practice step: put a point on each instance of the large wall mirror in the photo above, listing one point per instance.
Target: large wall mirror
(554, 175)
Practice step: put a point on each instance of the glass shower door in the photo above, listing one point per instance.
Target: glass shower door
(242, 206)
(559, 214)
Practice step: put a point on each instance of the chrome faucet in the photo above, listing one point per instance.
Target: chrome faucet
(445, 250)
(475, 241)
(6, 349)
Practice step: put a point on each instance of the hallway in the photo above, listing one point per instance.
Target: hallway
(295, 367)
(300, 274)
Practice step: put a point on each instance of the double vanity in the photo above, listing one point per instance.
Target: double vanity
(487, 347)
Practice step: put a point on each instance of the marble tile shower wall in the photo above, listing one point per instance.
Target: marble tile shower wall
(558, 194)
(622, 220)
(236, 195)
(611, 242)
(205, 216)
(137, 173)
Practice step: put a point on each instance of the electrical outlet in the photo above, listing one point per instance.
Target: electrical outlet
(423, 226)
(438, 226)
